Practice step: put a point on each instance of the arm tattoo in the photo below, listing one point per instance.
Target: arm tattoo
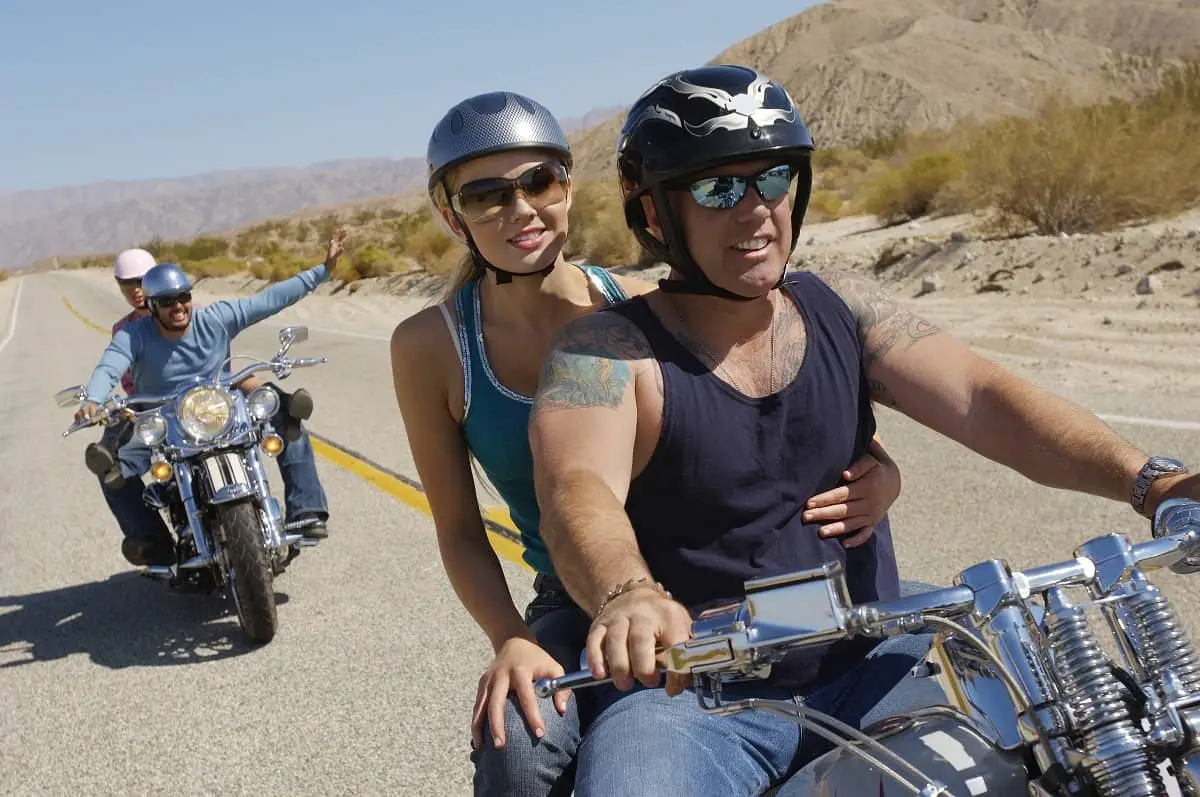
(882, 322)
(880, 393)
(590, 365)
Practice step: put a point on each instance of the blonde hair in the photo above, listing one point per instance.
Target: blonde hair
(467, 269)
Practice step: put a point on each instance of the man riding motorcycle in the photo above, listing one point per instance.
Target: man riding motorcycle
(173, 344)
(129, 267)
(675, 435)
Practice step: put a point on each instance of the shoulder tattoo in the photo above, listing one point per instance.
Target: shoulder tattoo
(882, 323)
(590, 363)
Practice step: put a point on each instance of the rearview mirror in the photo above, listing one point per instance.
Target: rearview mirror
(69, 396)
(290, 335)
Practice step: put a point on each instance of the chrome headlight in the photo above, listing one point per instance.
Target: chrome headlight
(150, 429)
(205, 413)
(263, 402)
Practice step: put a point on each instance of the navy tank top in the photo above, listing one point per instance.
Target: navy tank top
(721, 499)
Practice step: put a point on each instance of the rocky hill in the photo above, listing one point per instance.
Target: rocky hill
(863, 67)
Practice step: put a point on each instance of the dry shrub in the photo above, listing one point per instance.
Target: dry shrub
(1089, 169)
(912, 190)
(432, 248)
(220, 266)
(598, 233)
(824, 206)
(365, 262)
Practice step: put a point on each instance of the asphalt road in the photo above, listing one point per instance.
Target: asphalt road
(112, 684)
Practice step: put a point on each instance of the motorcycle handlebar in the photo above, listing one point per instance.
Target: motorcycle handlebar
(785, 614)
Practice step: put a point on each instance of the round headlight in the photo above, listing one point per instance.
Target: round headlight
(150, 429)
(263, 402)
(205, 412)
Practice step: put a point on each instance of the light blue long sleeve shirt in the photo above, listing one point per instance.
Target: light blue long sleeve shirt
(159, 365)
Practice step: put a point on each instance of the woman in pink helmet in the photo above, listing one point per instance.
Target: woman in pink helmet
(128, 268)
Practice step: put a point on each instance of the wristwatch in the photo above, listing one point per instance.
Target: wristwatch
(1154, 468)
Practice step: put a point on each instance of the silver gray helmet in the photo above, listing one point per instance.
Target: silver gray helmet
(494, 122)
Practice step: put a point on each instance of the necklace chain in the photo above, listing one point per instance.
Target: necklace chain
(716, 361)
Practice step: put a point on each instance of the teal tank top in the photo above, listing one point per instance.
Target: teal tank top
(496, 419)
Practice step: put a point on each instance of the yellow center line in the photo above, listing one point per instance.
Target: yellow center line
(502, 535)
(86, 322)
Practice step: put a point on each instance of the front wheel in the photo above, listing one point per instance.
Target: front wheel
(248, 571)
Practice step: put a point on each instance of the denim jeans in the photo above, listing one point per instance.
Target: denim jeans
(528, 766)
(643, 742)
(302, 488)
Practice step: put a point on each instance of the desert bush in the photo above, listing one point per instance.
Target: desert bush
(203, 248)
(883, 143)
(598, 232)
(364, 262)
(219, 266)
(324, 226)
(912, 189)
(824, 206)
(1088, 169)
(432, 248)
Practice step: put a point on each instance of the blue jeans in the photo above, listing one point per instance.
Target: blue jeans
(302, 489)
(643, 742)
(528, 766)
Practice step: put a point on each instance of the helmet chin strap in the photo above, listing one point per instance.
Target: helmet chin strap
(502, 276)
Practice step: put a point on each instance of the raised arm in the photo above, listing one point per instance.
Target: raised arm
(920, 370)
(582, 433)
(238, 314)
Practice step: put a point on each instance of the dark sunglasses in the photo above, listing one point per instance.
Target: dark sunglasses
(129, 281)
(724, 192)
(174, 299)
(484, 200)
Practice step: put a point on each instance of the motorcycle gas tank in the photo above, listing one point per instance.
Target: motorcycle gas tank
(941, 744)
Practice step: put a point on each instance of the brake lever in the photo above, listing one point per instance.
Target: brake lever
(544, 687)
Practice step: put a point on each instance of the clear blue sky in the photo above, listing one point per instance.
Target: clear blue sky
(121, 89)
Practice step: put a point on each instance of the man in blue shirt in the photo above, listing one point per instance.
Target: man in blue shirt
(172, 345)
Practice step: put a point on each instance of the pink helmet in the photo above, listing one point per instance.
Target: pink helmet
(133, 263)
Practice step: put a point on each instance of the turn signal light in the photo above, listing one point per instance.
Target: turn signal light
(161, 471)
(272, 444)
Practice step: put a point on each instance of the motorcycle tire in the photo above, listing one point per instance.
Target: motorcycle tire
(249, 572)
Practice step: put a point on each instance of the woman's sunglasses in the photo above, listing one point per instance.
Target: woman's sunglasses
(724, 192)
(484, 200)
(130, 282)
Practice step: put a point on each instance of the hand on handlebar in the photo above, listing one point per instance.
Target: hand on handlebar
(87, 410)
(627, 637)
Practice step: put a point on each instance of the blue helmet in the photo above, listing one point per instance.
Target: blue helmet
(165, 279)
